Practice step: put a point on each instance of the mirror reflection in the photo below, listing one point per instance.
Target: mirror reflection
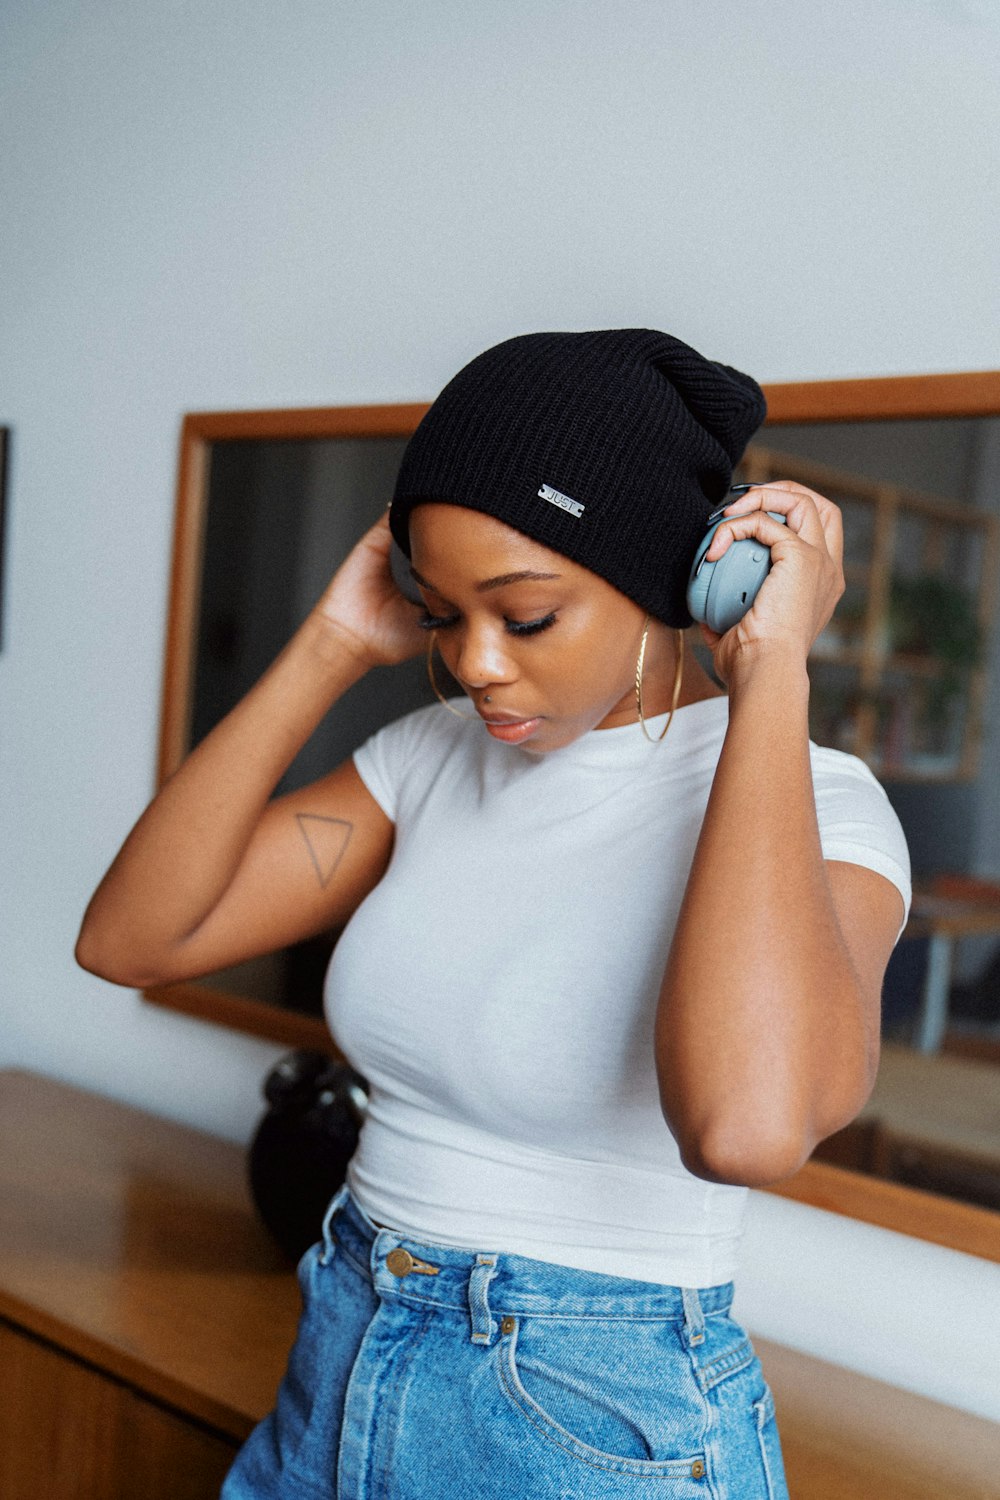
(907, 676)
(280, 517)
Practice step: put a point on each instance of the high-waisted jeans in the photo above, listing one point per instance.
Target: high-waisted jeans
(425, 1372)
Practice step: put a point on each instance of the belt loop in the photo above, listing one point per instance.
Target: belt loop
(484, 1326)
(329, 1244)
(694, 1318)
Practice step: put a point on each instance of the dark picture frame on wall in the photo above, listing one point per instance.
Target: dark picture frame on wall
(4, 448)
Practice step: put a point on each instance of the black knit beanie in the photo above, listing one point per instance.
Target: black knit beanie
(611, 447)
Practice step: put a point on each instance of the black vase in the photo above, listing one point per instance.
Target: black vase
(299, 1154)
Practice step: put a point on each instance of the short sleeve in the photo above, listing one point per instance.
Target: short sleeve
(857, 822)
(393, 756)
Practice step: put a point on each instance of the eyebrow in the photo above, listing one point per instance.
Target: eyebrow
(490, 583)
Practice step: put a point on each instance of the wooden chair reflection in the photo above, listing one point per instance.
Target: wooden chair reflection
(931, 1123)
(950, 907)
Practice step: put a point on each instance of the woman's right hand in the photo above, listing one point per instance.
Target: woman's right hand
(365, 607)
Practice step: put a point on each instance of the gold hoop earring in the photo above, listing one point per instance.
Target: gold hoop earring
(678, 674)
(430, 672)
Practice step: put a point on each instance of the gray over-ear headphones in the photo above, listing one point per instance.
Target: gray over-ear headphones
(721, 593)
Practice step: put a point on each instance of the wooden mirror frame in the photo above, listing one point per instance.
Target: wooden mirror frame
(927, 1216)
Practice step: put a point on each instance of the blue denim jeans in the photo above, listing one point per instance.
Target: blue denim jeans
(425, 1372)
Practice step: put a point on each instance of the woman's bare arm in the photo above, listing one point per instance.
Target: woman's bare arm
(767, 1028)
(214, 871)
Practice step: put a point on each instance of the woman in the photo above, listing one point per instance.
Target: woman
(614, 944)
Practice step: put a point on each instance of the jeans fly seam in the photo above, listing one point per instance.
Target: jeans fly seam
(364, 1270)
(416, 1338)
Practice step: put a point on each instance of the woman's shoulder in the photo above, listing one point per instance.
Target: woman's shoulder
(403, 757)
(840, 767)
(409, 749)
(857, 821)
(847, 789)
(425, 726)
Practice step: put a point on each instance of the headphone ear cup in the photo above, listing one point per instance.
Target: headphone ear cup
(700, 580)
(721, 593)
(702, 588)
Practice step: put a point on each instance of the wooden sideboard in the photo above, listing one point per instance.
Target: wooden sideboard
(145, 1319)
(146, 1315)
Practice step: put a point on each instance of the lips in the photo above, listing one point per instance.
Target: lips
(508, 727)
(501, 718)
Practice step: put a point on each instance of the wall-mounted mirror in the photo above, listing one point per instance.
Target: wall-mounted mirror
(908, 677)
(269, 504)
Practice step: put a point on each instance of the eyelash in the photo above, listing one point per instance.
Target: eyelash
(514, 627)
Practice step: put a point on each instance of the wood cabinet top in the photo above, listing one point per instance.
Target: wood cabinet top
(132, 1242)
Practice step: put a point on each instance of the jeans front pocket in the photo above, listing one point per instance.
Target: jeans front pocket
(616, 1394)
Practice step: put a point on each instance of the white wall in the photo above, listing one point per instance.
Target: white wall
(249, 205)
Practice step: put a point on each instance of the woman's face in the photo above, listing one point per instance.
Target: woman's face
(552, 644)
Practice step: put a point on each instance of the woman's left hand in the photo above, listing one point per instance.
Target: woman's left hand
(806, 579)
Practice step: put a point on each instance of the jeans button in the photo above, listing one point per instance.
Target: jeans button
(400, 1262)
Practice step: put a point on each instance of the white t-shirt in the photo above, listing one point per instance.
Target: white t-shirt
(498, 987)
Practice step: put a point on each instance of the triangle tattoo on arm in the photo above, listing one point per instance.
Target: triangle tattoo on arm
(326, 839)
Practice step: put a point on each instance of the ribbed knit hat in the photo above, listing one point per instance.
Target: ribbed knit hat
(610, 447)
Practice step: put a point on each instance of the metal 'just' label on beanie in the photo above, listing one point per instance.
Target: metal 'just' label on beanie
(556, 497)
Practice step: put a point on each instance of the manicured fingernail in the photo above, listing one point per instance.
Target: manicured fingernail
(740, 489)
